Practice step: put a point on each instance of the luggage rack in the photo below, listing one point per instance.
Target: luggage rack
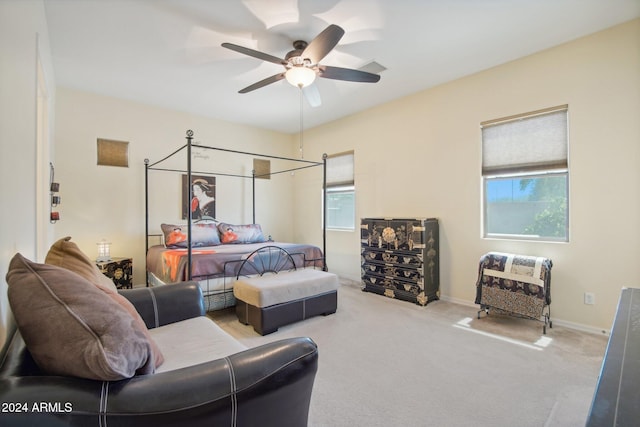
(516, 285)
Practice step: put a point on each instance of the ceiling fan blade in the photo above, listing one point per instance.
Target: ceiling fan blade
(255, 53)
(312, 95)
(262, 83)
(324, 42)
(348, 74)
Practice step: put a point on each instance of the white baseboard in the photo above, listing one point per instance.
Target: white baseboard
(556, 321)
(458, 301)
(581, 327)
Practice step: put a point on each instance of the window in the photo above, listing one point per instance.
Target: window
(340, 197)
(526, 176)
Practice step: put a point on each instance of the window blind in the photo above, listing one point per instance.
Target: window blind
(340, 170)
(532, 142)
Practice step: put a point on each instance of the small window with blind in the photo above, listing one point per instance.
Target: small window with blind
(340, 197)
(525, 173)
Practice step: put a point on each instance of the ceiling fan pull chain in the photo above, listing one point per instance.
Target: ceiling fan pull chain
(301, 125)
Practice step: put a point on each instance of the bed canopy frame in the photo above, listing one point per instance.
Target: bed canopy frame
(158, 166)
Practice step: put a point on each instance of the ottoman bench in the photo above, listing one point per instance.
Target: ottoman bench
(271, 300)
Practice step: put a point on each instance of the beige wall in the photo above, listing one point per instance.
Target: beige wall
(24, 157)
(420, 156)
(108, 202)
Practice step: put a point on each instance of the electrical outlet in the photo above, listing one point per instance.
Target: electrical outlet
(589, 298)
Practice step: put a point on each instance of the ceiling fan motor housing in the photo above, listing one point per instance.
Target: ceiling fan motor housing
(294, 57)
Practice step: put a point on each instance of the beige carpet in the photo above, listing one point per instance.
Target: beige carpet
(386, 363)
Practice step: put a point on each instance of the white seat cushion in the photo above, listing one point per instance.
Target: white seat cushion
(272, 289)
(193, 341)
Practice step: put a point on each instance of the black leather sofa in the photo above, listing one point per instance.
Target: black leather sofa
(616, 400)
(269, 385)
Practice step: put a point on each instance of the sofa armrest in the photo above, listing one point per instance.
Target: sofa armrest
(162, 305)
(269, 385)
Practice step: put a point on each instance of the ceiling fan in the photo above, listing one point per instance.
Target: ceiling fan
(302, 64)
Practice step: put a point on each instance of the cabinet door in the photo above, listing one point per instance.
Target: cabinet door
(371, 233)
(393, 234)
(408, 234)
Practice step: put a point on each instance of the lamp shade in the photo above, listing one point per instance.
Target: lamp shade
(300, 76)
(104, 251)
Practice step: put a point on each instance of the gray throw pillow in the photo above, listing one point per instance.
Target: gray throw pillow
(73, 328)
(66, 254)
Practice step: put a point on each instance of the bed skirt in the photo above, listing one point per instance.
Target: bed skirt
(219, 300)
(217, 292)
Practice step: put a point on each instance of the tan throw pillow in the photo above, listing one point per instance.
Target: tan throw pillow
(66, 254)
(73, 328)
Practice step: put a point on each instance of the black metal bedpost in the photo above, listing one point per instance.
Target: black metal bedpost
(189, 213)
(324, 209)
(253, 191)
(146, 219)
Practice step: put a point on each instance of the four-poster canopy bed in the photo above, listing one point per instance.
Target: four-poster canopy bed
(201, 251)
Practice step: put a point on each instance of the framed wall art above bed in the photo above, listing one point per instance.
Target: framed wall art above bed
(200, 198)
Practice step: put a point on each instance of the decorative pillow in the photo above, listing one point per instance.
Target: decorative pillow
(66, 254)
(204, 234)
(250, 233)
(71, 327)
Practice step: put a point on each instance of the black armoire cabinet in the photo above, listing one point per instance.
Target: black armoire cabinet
(400, 258)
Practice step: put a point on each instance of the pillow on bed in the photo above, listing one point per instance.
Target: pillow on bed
(204, 234)
(249, 233)
(73, 328)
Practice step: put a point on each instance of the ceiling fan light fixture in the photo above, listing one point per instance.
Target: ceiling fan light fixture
(300, 76)
(302, 64)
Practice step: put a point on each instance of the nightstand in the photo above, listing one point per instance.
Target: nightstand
(120, 270)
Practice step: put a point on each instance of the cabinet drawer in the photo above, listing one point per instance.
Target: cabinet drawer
(394, 271)
(393, 281)
(389, 283)
(406, 259)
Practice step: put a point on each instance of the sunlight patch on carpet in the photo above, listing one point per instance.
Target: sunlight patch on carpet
(540, 344)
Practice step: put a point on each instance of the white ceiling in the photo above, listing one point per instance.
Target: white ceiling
(167, 52)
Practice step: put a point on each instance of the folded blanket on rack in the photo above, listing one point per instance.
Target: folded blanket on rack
(514, 283)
